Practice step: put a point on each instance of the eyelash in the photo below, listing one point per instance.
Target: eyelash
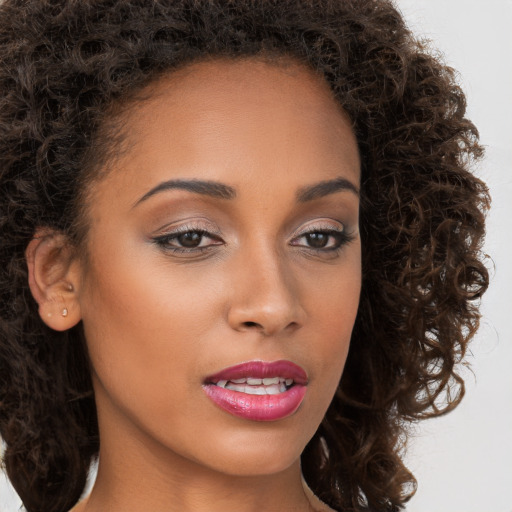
(164, 241)
(341, 238)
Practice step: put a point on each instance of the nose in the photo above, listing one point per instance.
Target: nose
(265, 296)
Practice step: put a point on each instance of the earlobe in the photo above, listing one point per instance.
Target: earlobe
(53, 278)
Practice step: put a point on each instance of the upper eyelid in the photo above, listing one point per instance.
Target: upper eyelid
(330, 232)
(189, 225)
(320, 225)
(322, 228)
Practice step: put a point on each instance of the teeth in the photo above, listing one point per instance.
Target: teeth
(274, 389)
(256, 386)
(256, 391)
(237, 387)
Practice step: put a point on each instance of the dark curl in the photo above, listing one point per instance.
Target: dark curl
(65, 64)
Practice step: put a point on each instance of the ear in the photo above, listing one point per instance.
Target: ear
(53, 276)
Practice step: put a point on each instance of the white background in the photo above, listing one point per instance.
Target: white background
(463, 462)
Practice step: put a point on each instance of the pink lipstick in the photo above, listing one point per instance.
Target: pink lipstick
(258, 390)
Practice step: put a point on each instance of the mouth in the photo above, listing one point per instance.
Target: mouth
(258, 390)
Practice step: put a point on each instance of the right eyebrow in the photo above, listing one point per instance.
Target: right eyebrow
(325, 188)
(207, 188)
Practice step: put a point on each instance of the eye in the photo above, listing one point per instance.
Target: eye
(187, 240)
(322, 239)
(191, 239)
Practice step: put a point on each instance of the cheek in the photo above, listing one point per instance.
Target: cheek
(134, 325)
(333, 318)
(143, 339)
(334, 299)
(147, 323)
(333, 304)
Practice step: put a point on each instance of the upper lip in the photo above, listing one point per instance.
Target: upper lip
(261, 370)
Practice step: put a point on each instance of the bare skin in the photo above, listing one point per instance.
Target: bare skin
(275, 274)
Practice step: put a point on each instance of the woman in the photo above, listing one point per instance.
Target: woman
(203, 205)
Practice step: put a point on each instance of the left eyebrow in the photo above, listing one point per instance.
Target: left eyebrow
(325, 188)
(207, 188)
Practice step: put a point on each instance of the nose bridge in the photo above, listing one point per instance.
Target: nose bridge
(264, 295)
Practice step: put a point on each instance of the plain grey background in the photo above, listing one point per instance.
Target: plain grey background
(463, 461)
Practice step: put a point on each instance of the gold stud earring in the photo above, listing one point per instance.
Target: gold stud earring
(65, 312)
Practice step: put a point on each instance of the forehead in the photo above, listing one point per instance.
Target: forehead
(228, 120)
(249, 79)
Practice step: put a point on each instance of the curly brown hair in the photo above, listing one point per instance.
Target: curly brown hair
(64, 66)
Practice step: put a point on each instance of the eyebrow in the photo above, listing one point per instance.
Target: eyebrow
(325, 188)
(206, 188)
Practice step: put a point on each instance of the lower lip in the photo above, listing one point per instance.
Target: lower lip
(257, 407)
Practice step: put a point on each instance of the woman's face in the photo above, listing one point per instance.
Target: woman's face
(226, 234)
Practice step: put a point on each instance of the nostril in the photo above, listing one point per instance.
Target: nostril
(253, 325)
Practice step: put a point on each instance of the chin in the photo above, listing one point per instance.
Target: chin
(258, 454)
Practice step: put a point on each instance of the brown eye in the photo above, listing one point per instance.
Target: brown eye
(190, 239)
(317, 240)
(322, 240)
